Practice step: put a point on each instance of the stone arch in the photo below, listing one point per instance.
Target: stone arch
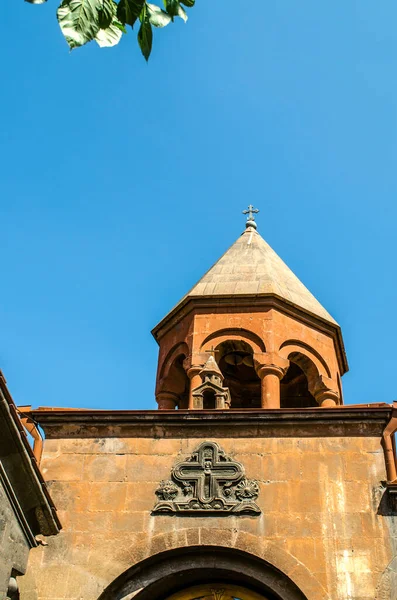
(235, 334)
(180, 349)
(305, 382)
(290, 346)
(167, 560)
(173, 378)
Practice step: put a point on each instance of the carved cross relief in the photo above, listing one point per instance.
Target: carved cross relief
(208, 482)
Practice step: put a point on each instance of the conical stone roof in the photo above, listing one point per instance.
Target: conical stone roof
(250, 267)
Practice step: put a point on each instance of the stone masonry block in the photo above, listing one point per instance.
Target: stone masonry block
(63, 467)
(309, 551)
(52, 582)
(305, 497)
(129, 521)
(105, 468)
(141, 495)
(149, 468)
(106, 497)
(92, 521)
(292, 525)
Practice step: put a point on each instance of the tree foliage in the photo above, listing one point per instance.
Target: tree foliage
(105, 21)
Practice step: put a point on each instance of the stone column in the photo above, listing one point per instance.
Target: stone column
(327, 398)
(167, 400)
(195, 380)
(271, 374)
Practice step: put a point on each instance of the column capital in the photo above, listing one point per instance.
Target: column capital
(193, 370)
(327, 398)
(325, 392)
(194, 361)
(271, 364)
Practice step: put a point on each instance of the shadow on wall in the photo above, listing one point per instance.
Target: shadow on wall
(388, 503)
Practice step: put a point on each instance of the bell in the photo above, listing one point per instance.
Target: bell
(248, 360)
(233, 359)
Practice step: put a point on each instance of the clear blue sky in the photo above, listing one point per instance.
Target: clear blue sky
(122, 182)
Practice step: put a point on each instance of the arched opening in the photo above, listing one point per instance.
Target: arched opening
(178, 382)
(209, 400)
(217, 590)
(171, 575)
(294, 391)
(296, 384)
(235, 360)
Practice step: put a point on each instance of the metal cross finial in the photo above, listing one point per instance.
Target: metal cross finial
(212, 351)
(251, 219)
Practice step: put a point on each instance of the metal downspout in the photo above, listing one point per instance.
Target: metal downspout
(32, 428)
(388, 444)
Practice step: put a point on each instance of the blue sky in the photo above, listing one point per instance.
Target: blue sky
(122, 182)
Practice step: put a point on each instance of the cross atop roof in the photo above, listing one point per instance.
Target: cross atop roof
(251, 211)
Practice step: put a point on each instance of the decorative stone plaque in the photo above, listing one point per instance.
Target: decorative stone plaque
(208, 482)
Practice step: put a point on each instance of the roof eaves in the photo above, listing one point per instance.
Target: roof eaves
(53, 524)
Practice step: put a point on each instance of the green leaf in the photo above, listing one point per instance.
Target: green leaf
(172, 7)
(188, 3)
(157, 16)
(120, 26)
(145, 33)
(78, 20)
(106, 13)
(182, 13)
(106, 38)
(129, 10)
(110, 35)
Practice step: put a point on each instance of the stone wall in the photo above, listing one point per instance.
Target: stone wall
(14, 548)
(319, 497)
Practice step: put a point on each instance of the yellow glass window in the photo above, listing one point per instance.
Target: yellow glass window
(216, 591)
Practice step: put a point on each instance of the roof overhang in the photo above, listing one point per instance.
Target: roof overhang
(364, 420)
(25, 483)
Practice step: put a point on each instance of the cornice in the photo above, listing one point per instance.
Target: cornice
(365, 420)
(189, 304)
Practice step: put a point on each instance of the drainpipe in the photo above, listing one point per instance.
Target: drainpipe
(388, 445)
(31, 428)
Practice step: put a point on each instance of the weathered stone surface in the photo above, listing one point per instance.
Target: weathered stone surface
(318, 521)
(14, 547)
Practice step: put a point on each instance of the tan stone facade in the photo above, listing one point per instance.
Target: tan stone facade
(320, 495)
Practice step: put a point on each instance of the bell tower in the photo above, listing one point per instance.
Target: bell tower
(271, 342)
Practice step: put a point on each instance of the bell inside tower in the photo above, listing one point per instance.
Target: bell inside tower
(235, 359)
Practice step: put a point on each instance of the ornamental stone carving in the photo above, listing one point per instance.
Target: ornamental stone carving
(208, 482)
